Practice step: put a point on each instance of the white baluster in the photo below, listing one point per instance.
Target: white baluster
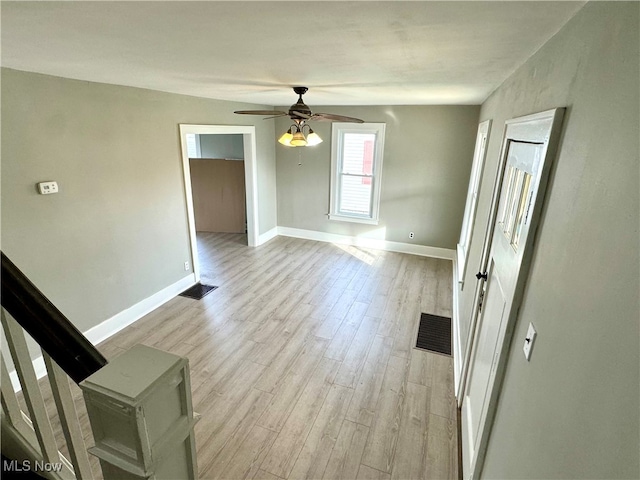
(68, 418)
(10, 405)
(30, 388)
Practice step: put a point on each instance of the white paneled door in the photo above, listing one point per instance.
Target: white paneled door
(528, 149)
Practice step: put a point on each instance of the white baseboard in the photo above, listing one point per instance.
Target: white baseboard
(422, 250)
(265, 237)
(113, 325)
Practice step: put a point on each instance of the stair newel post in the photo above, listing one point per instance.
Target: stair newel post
(141, 415)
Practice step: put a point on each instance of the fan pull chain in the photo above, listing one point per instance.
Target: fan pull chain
(299, 157)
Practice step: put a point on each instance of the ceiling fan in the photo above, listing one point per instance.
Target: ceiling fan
(300, 113)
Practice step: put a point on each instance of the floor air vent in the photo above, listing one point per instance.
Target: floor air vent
(198, 291)
(434, 334)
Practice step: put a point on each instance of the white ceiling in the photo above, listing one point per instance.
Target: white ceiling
(348, 53)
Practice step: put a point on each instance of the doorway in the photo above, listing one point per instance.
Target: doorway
(528, 148)
(226, 142)
(217, 183)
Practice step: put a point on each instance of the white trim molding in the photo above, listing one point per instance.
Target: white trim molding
(250, 178)
(422, 250)
(477, 168)
(339, 131)
(266, 236)
(113, 325)
(455, 324)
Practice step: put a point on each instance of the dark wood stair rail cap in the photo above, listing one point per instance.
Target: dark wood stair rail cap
(55, 334)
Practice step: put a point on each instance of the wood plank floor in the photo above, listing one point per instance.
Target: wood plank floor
(302, 362)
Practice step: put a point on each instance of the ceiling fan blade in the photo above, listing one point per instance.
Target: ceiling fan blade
(329, 117)
(282, 114)
(301, 114)
(260, 112)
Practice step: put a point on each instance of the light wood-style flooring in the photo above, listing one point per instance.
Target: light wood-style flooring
(302, 362)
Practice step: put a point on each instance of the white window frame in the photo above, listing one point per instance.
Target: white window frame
(479, 155)
(338, 131)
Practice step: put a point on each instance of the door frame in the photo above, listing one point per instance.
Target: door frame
(248, 133)
(477, 169)
(484, 260)
(544, 128)
(461, 263)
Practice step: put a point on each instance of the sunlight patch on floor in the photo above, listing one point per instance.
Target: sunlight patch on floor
(360, 254)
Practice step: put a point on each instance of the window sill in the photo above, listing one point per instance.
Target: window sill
(344, 218)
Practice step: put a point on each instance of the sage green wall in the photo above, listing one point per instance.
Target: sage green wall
(572, 411)
(427, 162)
(117, 231)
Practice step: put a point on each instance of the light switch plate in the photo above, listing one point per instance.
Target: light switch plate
(528, 341)
(45, 188)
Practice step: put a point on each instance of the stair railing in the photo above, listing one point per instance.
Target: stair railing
(137, 452)
(34, 433)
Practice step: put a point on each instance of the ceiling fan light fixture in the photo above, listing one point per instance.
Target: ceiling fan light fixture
(300, 114)
(313, 138)
(286, 138)
(298, 139)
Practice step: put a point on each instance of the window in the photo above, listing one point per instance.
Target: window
(472, 198)
(517, 196)
(356, 167)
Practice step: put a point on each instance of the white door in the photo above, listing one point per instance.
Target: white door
(528, 148)
(463, 333)
(477, 167)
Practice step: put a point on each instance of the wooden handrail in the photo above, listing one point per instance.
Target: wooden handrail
(48, 326)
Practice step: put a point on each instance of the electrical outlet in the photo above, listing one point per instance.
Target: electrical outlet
(411, 235)
(186, 266)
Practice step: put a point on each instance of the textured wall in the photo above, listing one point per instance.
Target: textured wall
(117, 231)
(427, 162)
(572, 411)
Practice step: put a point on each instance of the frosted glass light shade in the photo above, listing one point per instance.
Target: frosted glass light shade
(313, 139)
(285, 139)
(298, 139)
